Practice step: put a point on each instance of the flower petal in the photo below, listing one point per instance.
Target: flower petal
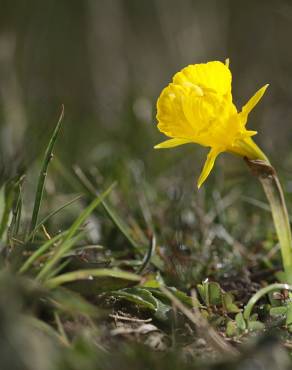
(170, 113)
(246, 147)
(171, 143)
(214, 152)
(248, 107)
(214, 76)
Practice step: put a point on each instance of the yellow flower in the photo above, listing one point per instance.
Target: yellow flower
(197, 108)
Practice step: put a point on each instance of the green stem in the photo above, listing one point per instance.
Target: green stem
(274, 193)
(262, 292)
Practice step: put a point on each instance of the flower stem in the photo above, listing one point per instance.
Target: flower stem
(274, 193)
(256, 297)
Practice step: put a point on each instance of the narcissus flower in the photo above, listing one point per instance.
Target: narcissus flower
(196, 107)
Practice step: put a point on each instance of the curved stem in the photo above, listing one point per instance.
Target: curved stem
(253, 300)
(274, 193)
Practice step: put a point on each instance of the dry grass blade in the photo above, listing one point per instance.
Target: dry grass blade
(209, 334)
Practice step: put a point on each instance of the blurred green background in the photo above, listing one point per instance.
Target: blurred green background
(108, 60)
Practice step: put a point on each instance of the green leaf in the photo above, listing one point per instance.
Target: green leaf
(210, 293)
(289, 314)
(215, 294)
(231, 329)
(183, 297)
(228, 303)
(154, 282)
(278, 311)
(162, 310)
(140, 297)
(240, 322)
(255, 325)
(145, 299)
(285, 277)
(203, 292)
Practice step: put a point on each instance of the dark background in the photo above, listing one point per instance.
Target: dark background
(108, 60)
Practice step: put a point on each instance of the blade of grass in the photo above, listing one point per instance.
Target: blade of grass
(8, 193)
(40, 251)
(50, 267)
(148, 255)
(81, 179)
(89, 274)
(67, 301)
(17, 209)
(66, 174)
(109, 210)
(18, 214)
(66, 245)
(43, 327)
(61, 329)
(51, 214)
(43, 173)
(59, 268)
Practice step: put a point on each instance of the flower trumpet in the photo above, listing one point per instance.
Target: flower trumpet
(197, 107)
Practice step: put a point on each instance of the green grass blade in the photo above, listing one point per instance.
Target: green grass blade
(50, 268)
(17, 209)
(4, 209)
(67, 242)
(116, 219)
(51, 214)
(43, 327)
(89, 274)
(61, 265)
(72, 303)
(8, 195)
(148, 255)
(18, 214)
(43, 173)
(7, 204)
(81, 179)
(40, 251)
